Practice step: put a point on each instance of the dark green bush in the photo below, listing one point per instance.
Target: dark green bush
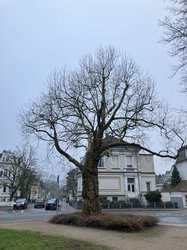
(114, 204)
(129, 223)
(125, 204)
(169, 204)
(105, 205)
(153, 196)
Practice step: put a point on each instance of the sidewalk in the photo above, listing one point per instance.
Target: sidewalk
(159, 237)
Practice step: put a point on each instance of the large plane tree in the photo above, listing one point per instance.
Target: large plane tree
(175, 34)
(106, 94)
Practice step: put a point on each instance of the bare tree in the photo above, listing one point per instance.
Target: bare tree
(49, 187)
(175, 34)
(21, 173)
(28, 176)
(14, 175)
(107, 94)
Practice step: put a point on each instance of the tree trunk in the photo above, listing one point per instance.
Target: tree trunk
(91, 191)
(90, 184)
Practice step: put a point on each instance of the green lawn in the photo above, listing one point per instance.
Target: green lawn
(26, 240)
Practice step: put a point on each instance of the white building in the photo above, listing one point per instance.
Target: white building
(179, 192)
(5, 164)
(7, 171)
(124, 175)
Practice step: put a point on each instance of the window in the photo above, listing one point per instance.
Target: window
(130, 184)
(129, 161)
(114, 161)
(114, 199)
(4, 188)
(6, 172)
(1, 173)
(148, 186)
(101, 163)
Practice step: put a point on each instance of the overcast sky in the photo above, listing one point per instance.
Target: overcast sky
(40, 35)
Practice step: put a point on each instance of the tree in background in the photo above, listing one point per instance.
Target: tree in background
(22, 172)
(175, 177)
(28, 176)
(108, 94)
(14, 175)
(175, 34)
(48, 187)
(71, 187)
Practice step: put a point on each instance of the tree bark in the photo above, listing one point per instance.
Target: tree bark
(90, 184)
(90, 191)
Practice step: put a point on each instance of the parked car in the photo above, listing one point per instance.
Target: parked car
(20, 203)
(52, 204)
(39, 203)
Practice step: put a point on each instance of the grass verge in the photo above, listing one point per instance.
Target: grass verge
(26, 240)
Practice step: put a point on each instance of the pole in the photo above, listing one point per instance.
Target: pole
(58, 193)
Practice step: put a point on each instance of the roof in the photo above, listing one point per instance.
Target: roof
(182, 154)
(160, 179)
(181, 187)
(112, 141)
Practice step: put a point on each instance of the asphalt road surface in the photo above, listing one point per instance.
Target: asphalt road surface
(169, 217)
(31, 213)
(178, 216)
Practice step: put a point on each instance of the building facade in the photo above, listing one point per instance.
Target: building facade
(5, 165)
(124, 175)
(10, 172)
(179, 192)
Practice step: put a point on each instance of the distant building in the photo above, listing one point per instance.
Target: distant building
(7, 172)
(124, 175)
(179, 192)
(160, 181)
(5, 165)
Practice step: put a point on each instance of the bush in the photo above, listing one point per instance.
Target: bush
(169, 204)
(105, 205)
(153, 196)
(114, 204)
(125, 204)
(128, 223)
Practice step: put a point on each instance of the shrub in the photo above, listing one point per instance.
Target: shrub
(128, 223)
(153, 196)
(114, 204)
(169, 204)
(105, 205)
(125, 204)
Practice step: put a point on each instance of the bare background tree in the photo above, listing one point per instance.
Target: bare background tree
(21, 172)
(13, 176)
(107, 94)
(175, 34)
(49, 187)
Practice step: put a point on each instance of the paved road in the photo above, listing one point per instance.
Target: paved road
(164, 216)
(31, 213)
(178, 216)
